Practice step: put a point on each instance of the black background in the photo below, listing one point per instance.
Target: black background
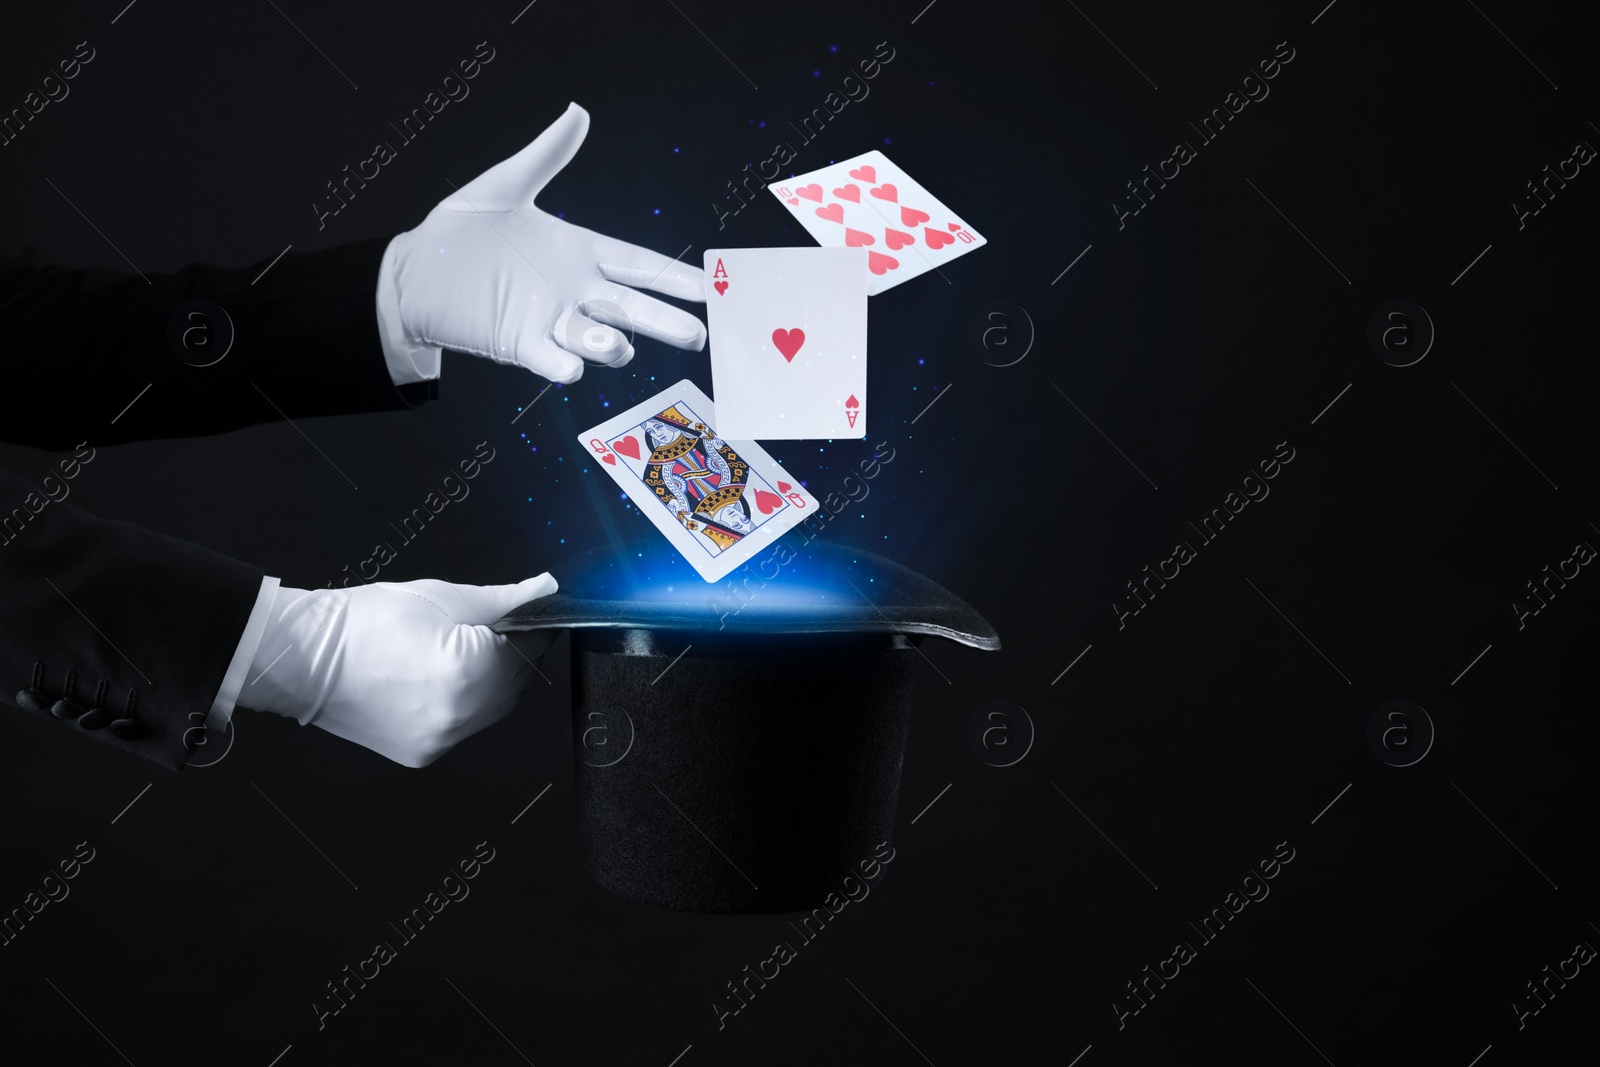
(1212, 727)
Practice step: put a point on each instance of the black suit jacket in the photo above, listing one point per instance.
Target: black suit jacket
(149, 622)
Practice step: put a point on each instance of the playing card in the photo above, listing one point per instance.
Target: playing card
(868, 202)
(788, 331)
(719, 502)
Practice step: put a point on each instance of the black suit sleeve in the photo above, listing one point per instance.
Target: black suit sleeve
(131, 614)
(147, 624)
(79, 346)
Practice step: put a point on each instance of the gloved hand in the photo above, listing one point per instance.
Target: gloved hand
(488, 273)
(405, 669)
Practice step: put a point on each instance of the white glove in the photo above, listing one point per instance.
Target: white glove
(488, 273)
(405, 669)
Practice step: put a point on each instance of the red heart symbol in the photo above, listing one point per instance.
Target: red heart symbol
(609, 458)
(853, 238)
(877, 262)
(897, 240)
(937, 238)
(912, 217)
(887, 192)
(833, 213)
(627, 446)
(794, 200)
(954, 226)
(849, 192)
(810, 192)
(767, 502)
(866, 174)
(784, 487)
(789, 341)
(720, 287)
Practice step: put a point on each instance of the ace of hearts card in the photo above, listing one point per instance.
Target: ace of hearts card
(719, 502)
(869, 202)
(788, 332)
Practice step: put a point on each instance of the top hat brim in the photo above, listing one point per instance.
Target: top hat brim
(824, 590)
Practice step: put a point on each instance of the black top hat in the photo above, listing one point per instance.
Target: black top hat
(739, 744)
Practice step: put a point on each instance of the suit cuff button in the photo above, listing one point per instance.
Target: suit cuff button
(33, 698)
(66, 707)
(127, 729)
(127, 725)
(97, 716)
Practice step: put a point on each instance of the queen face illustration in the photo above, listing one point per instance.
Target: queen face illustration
(659, 432)
(734, 518)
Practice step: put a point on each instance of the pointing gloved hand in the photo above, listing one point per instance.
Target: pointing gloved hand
(488, 273)
(406, 669)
